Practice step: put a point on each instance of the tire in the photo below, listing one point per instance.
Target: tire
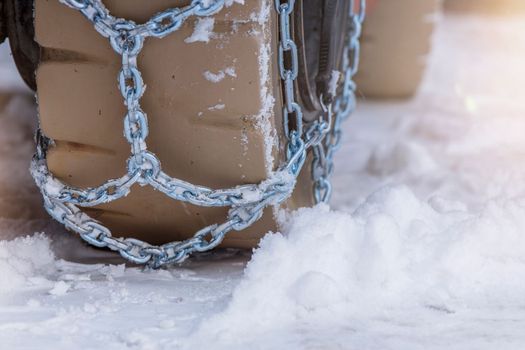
(215, 129)
(395, 43)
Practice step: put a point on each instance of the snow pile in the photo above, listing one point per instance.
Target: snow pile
(23, 261)
(394, 252)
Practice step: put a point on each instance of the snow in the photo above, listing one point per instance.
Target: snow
(220, 75)
(217, 107)
(203, 30)
(395, 253)
(334, 82)
(22, 260)
(263, 118)
(228, 3)
(60, 288)
(424, 249)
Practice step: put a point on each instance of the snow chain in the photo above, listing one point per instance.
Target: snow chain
(247, 202)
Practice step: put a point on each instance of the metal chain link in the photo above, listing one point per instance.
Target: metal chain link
(343, 106)
(247, 202)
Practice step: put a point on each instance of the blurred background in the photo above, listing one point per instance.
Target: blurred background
(397, 40)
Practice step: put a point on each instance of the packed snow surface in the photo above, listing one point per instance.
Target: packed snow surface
(424, 247)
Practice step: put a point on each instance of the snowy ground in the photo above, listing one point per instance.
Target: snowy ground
(425, 251)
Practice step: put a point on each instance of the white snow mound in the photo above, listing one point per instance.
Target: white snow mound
(23, 259)
(394, 251)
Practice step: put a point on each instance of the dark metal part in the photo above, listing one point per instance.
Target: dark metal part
(19, 25)
(332, 42)
(307, 28)
(319, 32)
(3, 31)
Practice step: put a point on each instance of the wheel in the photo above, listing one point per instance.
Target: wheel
(214, 101)
(395, 43)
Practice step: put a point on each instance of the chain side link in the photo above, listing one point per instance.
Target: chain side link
(343, 106)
